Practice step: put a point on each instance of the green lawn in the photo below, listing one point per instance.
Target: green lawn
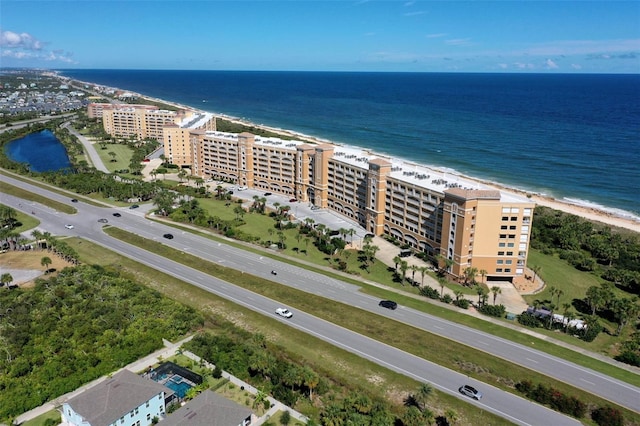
(50, 417)
(122, 156)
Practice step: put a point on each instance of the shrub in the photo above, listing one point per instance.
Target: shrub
(429, 292)
(607, 416)
(498, 311)
(553, 398)
(462, 303)
(529, 320)
(285, 419)
(590, 332)
(446, 298)
(629, 357)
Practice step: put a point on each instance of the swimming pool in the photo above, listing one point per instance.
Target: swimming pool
(178, 385)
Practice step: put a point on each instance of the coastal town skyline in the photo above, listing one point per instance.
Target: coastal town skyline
(391, 36)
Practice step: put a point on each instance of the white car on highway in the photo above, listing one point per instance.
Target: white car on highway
(284, 312)
(69, 226)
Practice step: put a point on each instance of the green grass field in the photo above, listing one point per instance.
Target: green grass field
(122, 156)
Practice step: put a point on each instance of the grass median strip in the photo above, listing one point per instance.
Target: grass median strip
(441, 310)
(342, 367)
(450, 354)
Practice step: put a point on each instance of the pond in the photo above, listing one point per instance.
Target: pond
(42, 151)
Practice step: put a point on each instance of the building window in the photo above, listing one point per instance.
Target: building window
(498, 269)
(499, 261)
(503, 227)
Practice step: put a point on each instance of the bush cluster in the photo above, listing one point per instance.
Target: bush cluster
(607, 416)
(553, 398)
(498, 311)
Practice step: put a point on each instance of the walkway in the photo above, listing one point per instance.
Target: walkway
(89, 149)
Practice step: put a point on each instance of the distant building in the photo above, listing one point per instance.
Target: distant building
(126, 399)
(146, 121)
(210, 409)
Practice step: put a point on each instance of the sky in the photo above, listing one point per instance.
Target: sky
(541, 36)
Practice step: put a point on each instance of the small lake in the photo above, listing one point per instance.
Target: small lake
(42, 151)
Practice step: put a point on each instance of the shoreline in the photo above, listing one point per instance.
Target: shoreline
(586, 211)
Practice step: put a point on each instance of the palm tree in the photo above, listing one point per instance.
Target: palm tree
(423, 272)
(451, 415)
(403, 268)
(414, 269)
(396, 261)
(6, 278)
(442, 281)
(458, 294)
(483, 273)
(496, 291)
(45, 262)
(424, 392)
(536, 271)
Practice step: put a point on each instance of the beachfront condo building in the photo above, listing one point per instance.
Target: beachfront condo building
(440, 213)
(148, 121)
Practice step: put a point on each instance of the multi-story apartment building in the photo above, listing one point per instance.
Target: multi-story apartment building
(147, 121)
(472, 225)
(436, 212)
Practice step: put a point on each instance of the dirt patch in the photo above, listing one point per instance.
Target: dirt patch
(25, 266)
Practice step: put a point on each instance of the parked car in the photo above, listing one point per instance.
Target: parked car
(369, 235)
(266, 194)
(69, 226)
(103, 220)
(470, 391)
(284, 312)
(135, 206)
(117, 214)
(389, 304)
(168, 236)
(73, 200)
(293, 200)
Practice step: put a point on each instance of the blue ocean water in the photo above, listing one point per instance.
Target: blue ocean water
(42, 151)
(570, 136)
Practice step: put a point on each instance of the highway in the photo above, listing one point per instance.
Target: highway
(510, 406)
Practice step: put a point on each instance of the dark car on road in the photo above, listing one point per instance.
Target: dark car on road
(168, 236)
(73, 200)
(266, 194)
(117, 214)
(470, 391)
(389, 304)
(103, 220)
(293, 200)
(135, 206)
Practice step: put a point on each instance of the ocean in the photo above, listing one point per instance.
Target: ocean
(574, 137)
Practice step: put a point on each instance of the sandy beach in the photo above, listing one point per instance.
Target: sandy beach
(590, 213)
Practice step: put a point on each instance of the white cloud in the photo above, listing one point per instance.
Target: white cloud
(576, 66)
(458, 42)
(438, 35)
(551, 65)
(24, 46)
(11, 40)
